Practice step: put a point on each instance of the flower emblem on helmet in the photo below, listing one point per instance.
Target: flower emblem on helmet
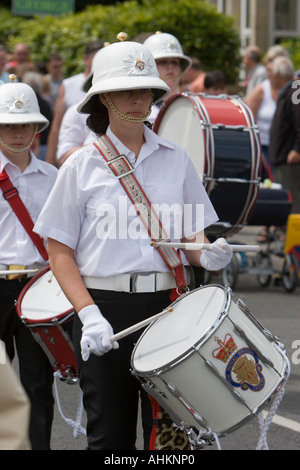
(18, 104)
(138, 64)
(171, 45)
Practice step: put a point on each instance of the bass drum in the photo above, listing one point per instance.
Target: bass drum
(222, 138)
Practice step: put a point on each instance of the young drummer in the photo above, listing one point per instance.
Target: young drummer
(99, 250)
(23, 176)
(171, 64)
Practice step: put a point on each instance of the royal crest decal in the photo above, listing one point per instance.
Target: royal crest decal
(243, 369)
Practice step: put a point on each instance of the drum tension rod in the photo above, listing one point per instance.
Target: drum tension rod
(177, 394)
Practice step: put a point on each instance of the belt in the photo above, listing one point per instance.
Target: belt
(135, 283)
(33, 268)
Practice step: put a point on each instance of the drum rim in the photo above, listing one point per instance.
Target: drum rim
(207, 132)
(191, 350)
(40, 322)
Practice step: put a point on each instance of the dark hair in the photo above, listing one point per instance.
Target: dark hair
(214, 78)
(54, 56)
(98, 120)
(93, 46)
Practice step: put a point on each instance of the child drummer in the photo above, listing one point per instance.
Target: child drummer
(25, 183)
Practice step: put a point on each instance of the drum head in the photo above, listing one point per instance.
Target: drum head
(43, 299)
(179, 122)
(173, 335)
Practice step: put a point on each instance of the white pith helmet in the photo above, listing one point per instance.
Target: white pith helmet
(165, 45)
(19, 105)
(123, 66)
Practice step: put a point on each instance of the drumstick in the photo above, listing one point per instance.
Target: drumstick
(139, 325)
(16, 271)
(205, 246)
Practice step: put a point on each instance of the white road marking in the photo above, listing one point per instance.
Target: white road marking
(285, 422)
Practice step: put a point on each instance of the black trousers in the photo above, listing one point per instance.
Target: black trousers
(110, 392)
(36, 374)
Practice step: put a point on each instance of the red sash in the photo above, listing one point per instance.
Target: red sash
(11, 195)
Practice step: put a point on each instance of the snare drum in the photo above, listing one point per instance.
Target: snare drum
(222, 138)
(43, 307)
(209, 363)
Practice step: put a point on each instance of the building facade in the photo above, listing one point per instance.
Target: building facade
(263, 22)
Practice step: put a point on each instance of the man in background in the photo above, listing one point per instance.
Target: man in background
(256, 71)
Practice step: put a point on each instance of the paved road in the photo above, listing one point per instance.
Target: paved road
(279, 312)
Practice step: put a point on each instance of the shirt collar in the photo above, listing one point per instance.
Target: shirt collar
(153, 142)
(34, 165)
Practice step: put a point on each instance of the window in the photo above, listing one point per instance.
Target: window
(245, 25)
(221, 6)
(286, 15)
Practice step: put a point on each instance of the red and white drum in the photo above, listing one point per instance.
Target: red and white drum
(222, 138)
(43, 307)
(209, 363)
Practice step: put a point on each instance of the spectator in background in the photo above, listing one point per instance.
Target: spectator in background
(215, 83)
(35, 81)
(70, 92)
(285, 132)
(262, 101)
(197, 85)
(36, 67)
(3, 60)
(256, 71)
(54, 76)
(275, 51)
(193, 73)
(21, 55)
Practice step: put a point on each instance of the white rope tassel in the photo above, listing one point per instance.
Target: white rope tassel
(76, 425)
(264, 424)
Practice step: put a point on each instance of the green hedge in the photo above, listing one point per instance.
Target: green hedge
(203, 32)
(293, 46)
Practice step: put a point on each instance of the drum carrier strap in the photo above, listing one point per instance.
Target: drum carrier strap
(11, 195)
(123, 170)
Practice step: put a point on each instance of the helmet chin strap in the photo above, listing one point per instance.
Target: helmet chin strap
(20, 149)
(124, 117)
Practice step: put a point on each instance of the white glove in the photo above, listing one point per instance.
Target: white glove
(96, 332)
(217, 257)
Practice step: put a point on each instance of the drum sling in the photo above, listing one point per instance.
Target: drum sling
(123, 170)
(11, 195)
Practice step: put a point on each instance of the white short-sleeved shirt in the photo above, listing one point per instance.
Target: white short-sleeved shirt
(34, 185)
(89, 211)
(73, 89)
(73, 131)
